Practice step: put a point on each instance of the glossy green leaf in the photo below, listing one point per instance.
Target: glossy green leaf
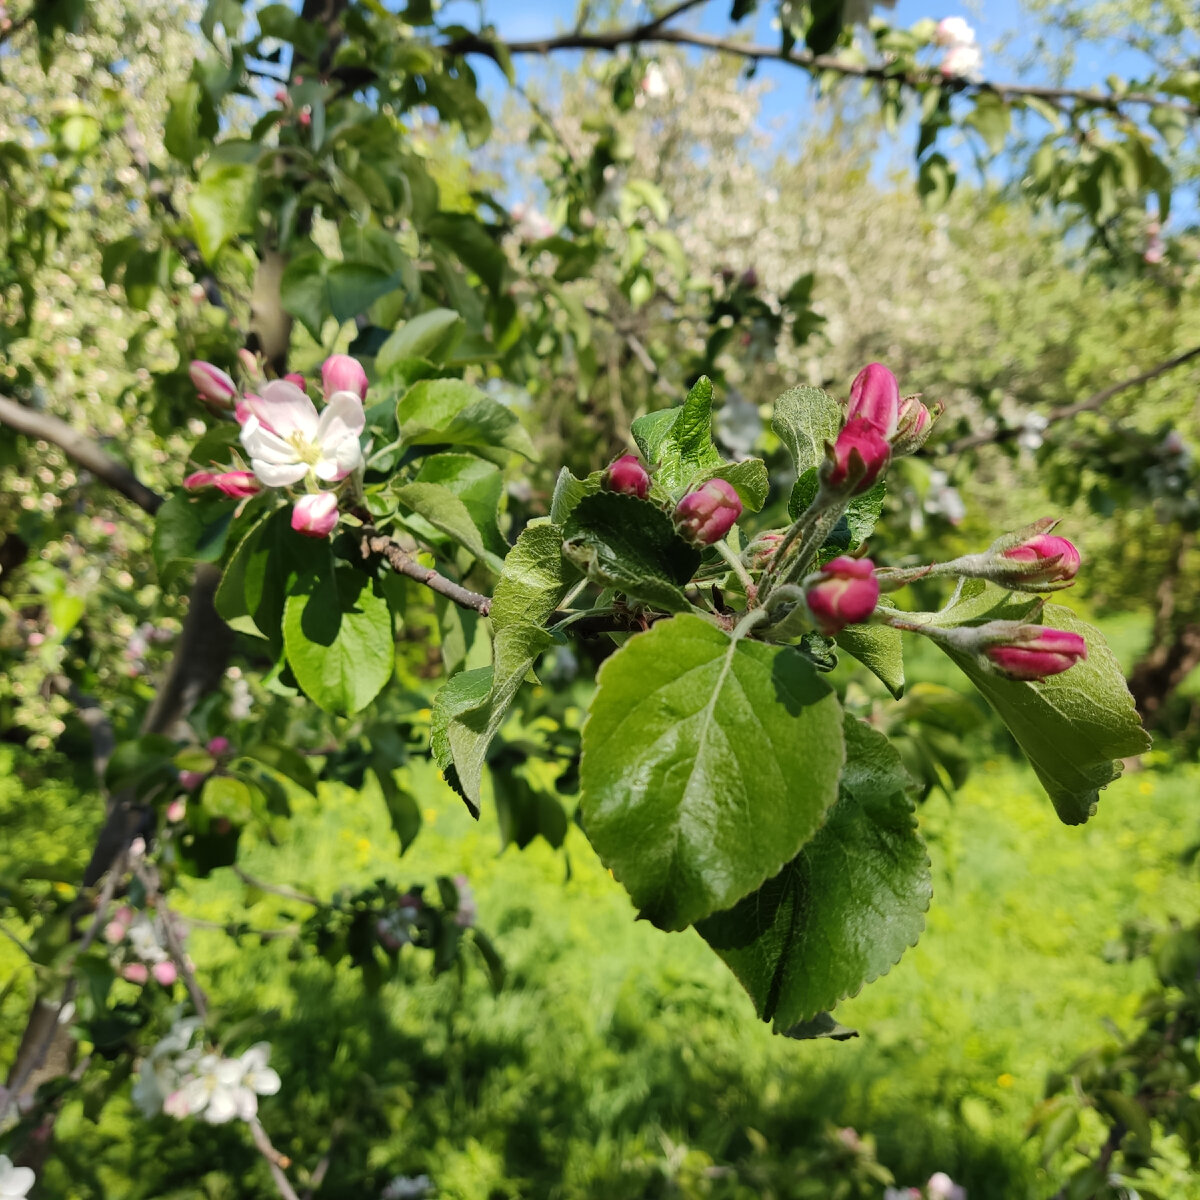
(314, 288)
(631, 545)
(844, 910)
(533, 582)
(437, 411)
(430, 335)
(447, 514)
(189, 529)
(749, 479)
(337, 632)
(880, 649)
(1074, 727)
(708, 761)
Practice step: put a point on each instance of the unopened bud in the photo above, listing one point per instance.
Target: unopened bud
(844, 592)
(219, 746)
(114, 932)
(1044, 559)
(914, 426)
(315, 515)
(709, 513)
(212, 383)
(135, 972)
(251, 364)
(875, 396)
(860, 455)
(1035, 652)
(164, 973)
(628, 476)
(762, 550)
(298, 379)
(191, 780)
(177, 809)
(238, 484)
(341, 373)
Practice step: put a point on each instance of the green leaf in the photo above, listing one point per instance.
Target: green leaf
(285, 761)
(223, 205)
(533, 582)
(1074, 727)
(1171, 123)
(449, 515)
(805, 419)
(313, 289)
(525, 812)
(880, 649)
(337, 631)
(430, 335)
(822, 1025)
(992, 119)
(437, 411)
(478, 484)
(568, 491)
(402, 806)
(629, 544)
(936, 180)
(708, 761)
(189, 530)
(844, 910)
(259, 576)
(679, 440)
(191, 121)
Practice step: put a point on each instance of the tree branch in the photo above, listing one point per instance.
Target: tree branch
(1066, 411)
(80, 449)
(402, 563)
(655, 32)
(278, 889)
(275, 1160)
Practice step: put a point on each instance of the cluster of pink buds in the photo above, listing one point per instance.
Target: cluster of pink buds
(137, 931)
(287, 441)
(709, 513)
(879, 426)
(844, 592)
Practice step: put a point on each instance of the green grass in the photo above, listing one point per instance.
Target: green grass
(621, 1062)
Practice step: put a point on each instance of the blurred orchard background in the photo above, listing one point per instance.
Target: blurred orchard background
(602, 204)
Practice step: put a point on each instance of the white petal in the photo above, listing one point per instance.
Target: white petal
(278, 474)
(265, 1082)
(256, 1057)
(343, 415)
(222, 1107)
(260, 442)
(15, 1182)
(284, 408)
(337, 461)
(246, 1103)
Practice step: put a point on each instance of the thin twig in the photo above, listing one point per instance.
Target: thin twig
(1067, 411)
(402, 563)
(81, 449)
(654, 31)
(278, 889)
(276, 1161)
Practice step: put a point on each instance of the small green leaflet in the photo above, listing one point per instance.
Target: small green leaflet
(805, 419)
(880, 649)
(448, 411)
(708, 761)
(679, 441)
(844, 910)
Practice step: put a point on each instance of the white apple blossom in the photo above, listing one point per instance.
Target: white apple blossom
(654, 84)
(287, 440)
(942, 1187)
(963, 62)
(221, 1089)
(166, 1066)
(15, 1182)
(954, 31)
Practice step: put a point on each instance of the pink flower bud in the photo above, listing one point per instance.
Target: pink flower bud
(628, 476)
(315, 515)
(1036, 652)
(844, 592)
(164, 973)
(250, 363)
(875, 396)
(762, 550)
(341, 373)
(1050, 559)
(135, 972)
(114, 932)
(218, 746)
(305, 117)
(860, 455)
(298, 379)
(709, 513)
(176, 809)
(914, 425)
(238, 484)
(191, 780)
(212, 383)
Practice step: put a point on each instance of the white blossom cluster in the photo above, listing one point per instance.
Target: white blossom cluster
(186, 1080)
(963, 58)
